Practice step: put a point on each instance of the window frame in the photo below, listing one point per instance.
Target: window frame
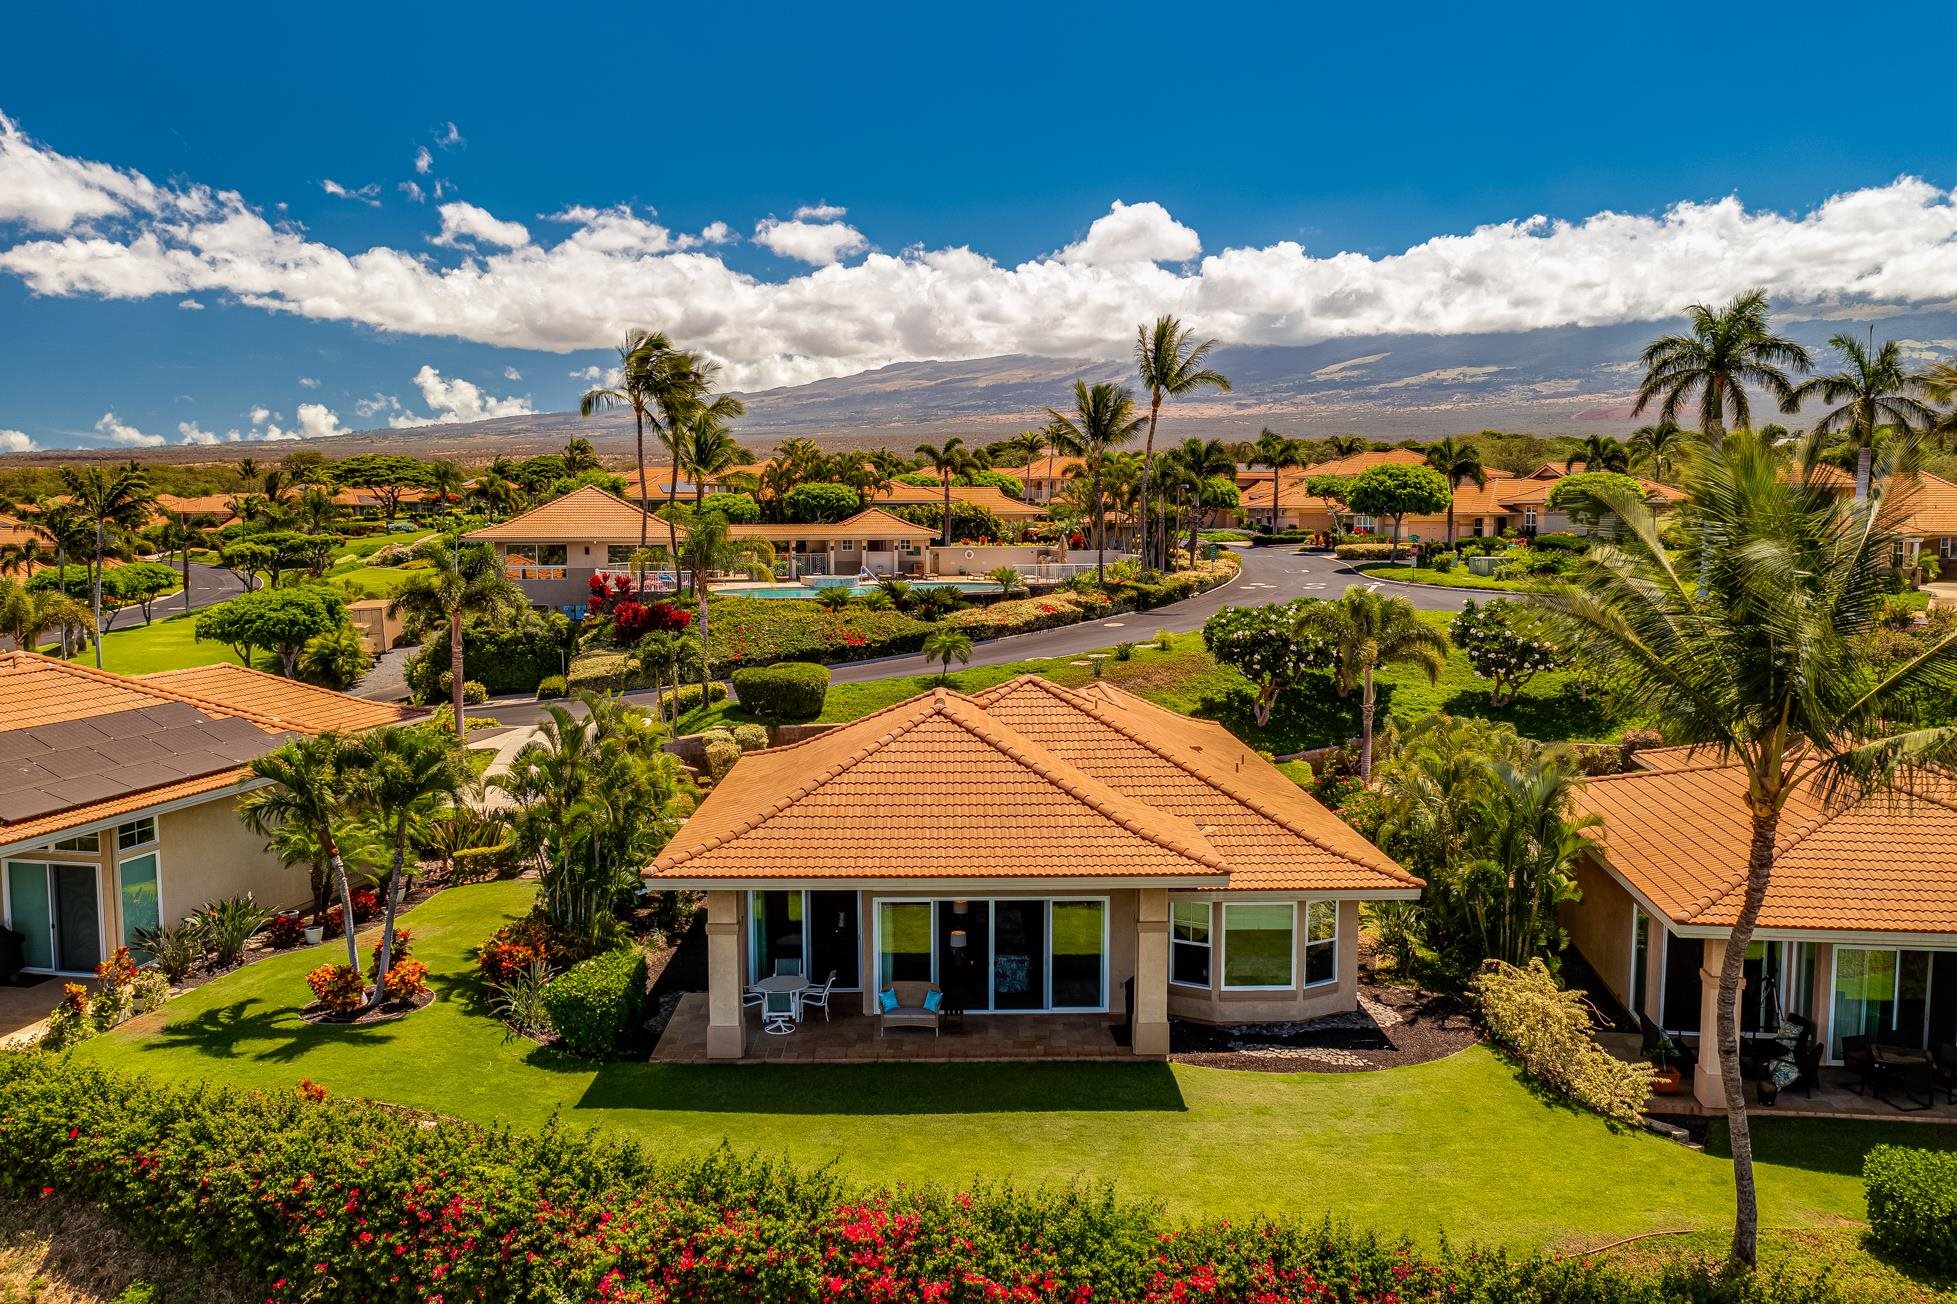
(155, 856)
(1304, 977)
(1208, 944)
(137, 824)
(1291, 952)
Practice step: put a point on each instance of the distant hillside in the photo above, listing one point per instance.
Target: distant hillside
(1575, 380)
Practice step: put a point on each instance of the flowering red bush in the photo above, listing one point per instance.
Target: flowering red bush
(286, 930)
(407, 980)
(74, 997)
(366, 904)
(632, 621)
(311, 1092)
(403, 940)
(118, 969)
(513, 948)
(339, 987)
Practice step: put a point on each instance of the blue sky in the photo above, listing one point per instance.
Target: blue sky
(1009, 131)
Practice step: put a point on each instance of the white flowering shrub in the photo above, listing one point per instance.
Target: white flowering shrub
(1266, 646)
(1502, 646)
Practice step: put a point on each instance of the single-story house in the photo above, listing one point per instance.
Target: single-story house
(983, 496)
(661, 481)
(1033, 851)
(118, 796)
(1859, 929)
(552, 551)
(1046, 476)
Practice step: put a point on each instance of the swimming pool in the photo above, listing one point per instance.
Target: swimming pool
(859, 590)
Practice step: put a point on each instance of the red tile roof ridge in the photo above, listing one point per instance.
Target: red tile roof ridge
(36, 659)
(1216, 777)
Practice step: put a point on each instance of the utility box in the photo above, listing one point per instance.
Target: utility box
(1481, 565)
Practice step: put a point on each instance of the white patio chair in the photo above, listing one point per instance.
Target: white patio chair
(819, 996)
(750, 996)
(778, 1013)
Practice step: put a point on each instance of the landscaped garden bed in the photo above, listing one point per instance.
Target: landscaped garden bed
(1394, 1027)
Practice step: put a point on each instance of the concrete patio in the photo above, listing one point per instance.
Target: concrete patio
(24, 1006)
(848, 1037)
(1833, 1098)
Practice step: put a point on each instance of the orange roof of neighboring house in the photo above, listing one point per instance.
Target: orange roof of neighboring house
(585, 515)
(1531, 491)
(661, 477)
(306, 707)
(1881, 864)
(13, 530)
(1051, 467)
(1027, 780)
(871, 522)
(1678, 758)
(992, 499)
(203, 505)
(1258, 495)
(1931, 507)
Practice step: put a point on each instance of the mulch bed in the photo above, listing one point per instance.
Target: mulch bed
(317, 1013)
(1393, 1027)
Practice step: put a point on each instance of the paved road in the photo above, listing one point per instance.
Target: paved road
(1268, 575)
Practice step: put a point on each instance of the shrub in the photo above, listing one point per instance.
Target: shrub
(1363, 551)
(227, 925)
(788, 692)
(337, 659)
(338, 987)
(176, 948)
(750, 737)
(508, 654)
(514, 948)
(1124, 651)
(551, 686)
(474, 692)
(688, 696)
(148, 992)
(600, 672)
(519, 1001)
(1500, 641)
(721, 754)
(287, 930)
(1912, 1198)
(1561, 541)
(595, 1005)
(406, 981)
(1549, 1030)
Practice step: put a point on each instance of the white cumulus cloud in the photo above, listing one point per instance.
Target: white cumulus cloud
(821, 243)
(448, 136)
(511, 373)
(190, 305)
(191, 433)
(423, 159)
(117, 431)
(16, 441)
(413, 192)
(822, 212)
(1134, 233)
(368, 194)
(464, 226)
(457, 400)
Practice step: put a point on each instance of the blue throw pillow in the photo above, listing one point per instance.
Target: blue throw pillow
(932, 1000)
(888, 999)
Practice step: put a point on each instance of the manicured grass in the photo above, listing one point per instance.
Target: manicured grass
(1459, 1144)
(1187, 679)
(166, 645)
(1458, 578)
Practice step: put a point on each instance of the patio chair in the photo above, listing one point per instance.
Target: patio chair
(778, 1013)
(910, 1011)
(819, 996)
(1943, 1072)
(788, 968)
(1858, 1057)
(750, 996)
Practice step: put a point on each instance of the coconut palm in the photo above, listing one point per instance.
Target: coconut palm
(1199, 464)
(638, 354)
(1368, 631)
(681, 388)
(114, 500)
(707, 450)
(1346, 445)
(402, 779)
(1728, 349)
(308, 785)
(1755, 642)
(1279, 452)
(445, 481)
(1104, 417)
(1170, 364)
(709, 548)
(945, 645)
(948, 461)
(579, 456)
(459, 580)
(1874, 389)
(1458, 460)
(25, 557)
(1600, 453)
(1659, 447)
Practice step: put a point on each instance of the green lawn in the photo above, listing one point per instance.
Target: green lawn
(1186, 679)
(1458, 578)
(165, 645)
(1459, 1144)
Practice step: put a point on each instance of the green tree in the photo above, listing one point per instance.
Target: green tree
(708, 451)
(1756, 642)
(1600, 453)
(681, 386)
(283, 620)
(25, 615)
(115, 501)
(1576, 496)
(577, 458)
(1268, 646)
(820, 502)
(1456, 460)
(667, 656)
(1281, 454)
(945, 645)
(1726, 350)
(1334, 489)
(1503, 645)
(1170, 364)
(948, 461)
(1398, 490)
(1659, 448)
(1368, 631)
(460, 580)
(337, 659)
(386, 475)
(640, 355)
(1874, 389)
(1103, 419)
(708, 549)
(308, 785)
(403, 779)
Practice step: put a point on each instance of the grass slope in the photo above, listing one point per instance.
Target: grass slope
(169, 644)
(1459, 1144)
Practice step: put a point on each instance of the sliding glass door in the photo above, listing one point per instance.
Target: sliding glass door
(1882, 994)
(1013, 955)
(56, 908)
(811, 933)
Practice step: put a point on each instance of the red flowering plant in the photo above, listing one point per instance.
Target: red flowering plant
(118, 970)
(513, 948)
(403, 939)
(338, 987)
(287, 929)
(406, 982)
(311, 1092)
(74, 998)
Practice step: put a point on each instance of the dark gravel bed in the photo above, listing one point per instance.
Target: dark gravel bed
(1394, 1027)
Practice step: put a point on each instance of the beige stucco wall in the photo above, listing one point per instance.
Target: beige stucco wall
(1215, 1005)
(207, 853)
(1599, 925)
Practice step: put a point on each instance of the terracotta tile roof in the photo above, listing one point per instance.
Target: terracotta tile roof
(1931, 507)
(203, 505)
(305, 707)
(1883, 864)
(994, 500)
(585, 515)
(13, 530)
(47, 827)
(1051, 467)
(933, 787)
(1468, 498)
(871, 522)
(1025, 780)
(1531, 492)
(1678, 758)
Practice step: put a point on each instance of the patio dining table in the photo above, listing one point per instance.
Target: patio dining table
(791, 985)
(1895, 1067)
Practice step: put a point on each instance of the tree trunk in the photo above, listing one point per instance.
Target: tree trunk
(395, 883)
(1148, 464)
(346, 896)
(97, 592)
(672, 527)
(1450, 520)
(1732, 968)
(705, 663)
(455, 666)
(1100, 529)
(945, 477)
(1366, 731)
(186, 578)
(645, 513)
(1864, 472)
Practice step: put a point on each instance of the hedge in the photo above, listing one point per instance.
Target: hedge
(1912, 1198)
(507, 656)
(1365, 551)
(313, 1199)
(596, 1003)
(788, 692)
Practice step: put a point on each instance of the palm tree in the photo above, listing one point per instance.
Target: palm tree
(308, 786)
(1367, 631)
(1600, 453)
(462, 579)
(1458, 460)
(1874, 389)
(666, 656)
(317, 510)
(1200, 462)
(1170, 364)
(174, 535)
(115, 500)
(403, 778)
(638, 354)
(949, 460)
(1104, 418)
(1728, 348)
(445, 482)
(710, 547)
(945, 645)
(579, 456)
(1659, 447)
(1278, 452)
(247, 470)
(25, 557)
(681, 387)
(1755, 643)
(707, 450)
(1346, 445)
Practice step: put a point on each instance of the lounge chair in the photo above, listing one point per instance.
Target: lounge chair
(910, 1011)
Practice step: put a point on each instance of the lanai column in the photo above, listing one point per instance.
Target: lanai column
(1152, 972)
(726, 1031)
